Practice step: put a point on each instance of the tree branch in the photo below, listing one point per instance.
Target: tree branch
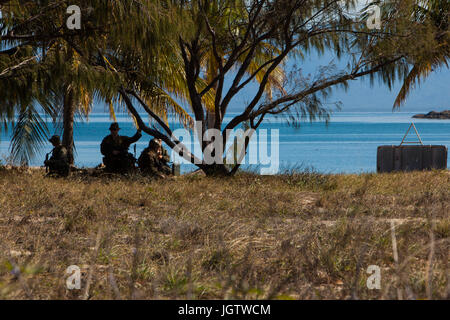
(175, 145)
(22, 64)
(315, 88)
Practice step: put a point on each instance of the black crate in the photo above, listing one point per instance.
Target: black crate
(411, 158)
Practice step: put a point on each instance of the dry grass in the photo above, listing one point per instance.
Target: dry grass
(293, 236)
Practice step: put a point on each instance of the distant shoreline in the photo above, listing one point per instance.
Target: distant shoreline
(444, 115)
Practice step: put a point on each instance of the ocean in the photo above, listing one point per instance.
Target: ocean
(347, 144)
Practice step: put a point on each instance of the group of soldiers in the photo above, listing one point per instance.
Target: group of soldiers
(153, 161)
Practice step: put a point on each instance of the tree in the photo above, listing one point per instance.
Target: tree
(65, 69)
(437, 55)
(284, 29)
(38, 55)
(151, 51)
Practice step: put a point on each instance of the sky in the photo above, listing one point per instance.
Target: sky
(361, 96)
(431, 94)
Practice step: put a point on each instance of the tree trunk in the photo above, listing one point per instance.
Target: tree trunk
(210, 119)
(68, 119)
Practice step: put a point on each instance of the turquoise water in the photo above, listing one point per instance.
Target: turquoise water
(348, 144)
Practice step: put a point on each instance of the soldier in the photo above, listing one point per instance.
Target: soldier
(165, 158)
(117, 159)
(59, 162)
(154, 160)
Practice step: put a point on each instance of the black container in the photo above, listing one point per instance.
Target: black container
(411, 158)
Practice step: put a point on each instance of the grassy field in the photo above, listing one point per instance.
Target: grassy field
(292, 236)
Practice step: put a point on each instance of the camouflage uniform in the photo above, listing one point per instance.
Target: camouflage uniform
(59, 162)
(122, 162)
(151, 164)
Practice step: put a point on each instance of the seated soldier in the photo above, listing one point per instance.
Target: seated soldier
(154, 160)
(58, 163)
(165, 158)
(117, 159)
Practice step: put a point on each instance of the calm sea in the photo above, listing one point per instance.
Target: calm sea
(348, 144)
